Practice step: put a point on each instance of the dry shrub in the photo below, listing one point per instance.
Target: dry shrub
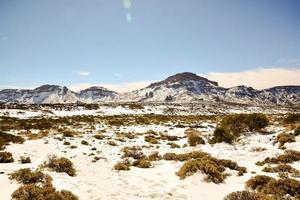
(297, 131)
(46, 192)
(142, 163)
(26, 176)
(61, 164)
(213, 171)
(154, 156)
(283, 138)
(40, 135)
(184, 156)
(277, 188)
(68, 133)
(25, 160)
(292, 118)
(6, 157)
(194, 137)
(247, 195)
(204, 162)
(84, 142)
(233, 166)
(135, 106)
(122, 166)
(112, 143)
(258, 182)
(66, 143)
(240, 123)
(6, 138)
(173, 145)
(151, 139)
(222, 135)
(133, 152)
(99, 136)
(289, 156)
(283, 168)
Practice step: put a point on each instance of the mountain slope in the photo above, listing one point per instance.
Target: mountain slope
(50, 94)
(181, 87)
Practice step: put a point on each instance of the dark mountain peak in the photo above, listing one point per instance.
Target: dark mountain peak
(97, 88)
(181, 77)
(49, 88)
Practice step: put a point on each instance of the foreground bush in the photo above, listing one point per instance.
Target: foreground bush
(283, 168)
(26, 176)
(246, 195)
(277, 188)
(289, 156)
(60, 165)
(6, 157)
(46, 192)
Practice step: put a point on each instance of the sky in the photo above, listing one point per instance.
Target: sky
(127, 44)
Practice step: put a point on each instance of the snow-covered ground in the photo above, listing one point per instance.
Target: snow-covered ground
(98, 180)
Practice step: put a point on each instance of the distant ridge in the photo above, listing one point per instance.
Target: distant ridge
(181, 87)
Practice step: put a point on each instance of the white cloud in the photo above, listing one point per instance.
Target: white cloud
(83, 73)
(260, 78)
(121, 87)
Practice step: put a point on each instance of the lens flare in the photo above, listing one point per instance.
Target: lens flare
(128, 18)
(127, 4)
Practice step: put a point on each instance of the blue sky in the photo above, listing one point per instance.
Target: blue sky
(76, 42)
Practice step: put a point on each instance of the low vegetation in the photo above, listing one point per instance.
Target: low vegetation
(247, 195)
(60, 164)
(277, 188)
(289, 156)
(283, 138)
(194, 138)
(204, 162)
(6, 157)
(283, 168)
(25, 160)
(26, 176)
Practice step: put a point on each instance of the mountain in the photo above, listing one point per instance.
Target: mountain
(189, 87)
(96, 94)
(181, 87)
(50, 94)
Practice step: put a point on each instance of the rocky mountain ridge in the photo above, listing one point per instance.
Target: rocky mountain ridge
(181, 87)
